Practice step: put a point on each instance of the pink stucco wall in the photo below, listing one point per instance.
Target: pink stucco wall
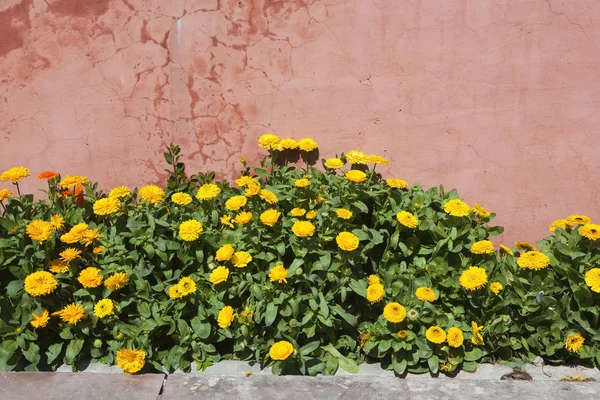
(496, 98)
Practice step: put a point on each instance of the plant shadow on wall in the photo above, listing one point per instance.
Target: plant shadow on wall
(299, 268)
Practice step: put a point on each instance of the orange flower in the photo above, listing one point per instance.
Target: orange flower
(47, 175)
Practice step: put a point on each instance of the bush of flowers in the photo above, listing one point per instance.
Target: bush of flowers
(301, 267)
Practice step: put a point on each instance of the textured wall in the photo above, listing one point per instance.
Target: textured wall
(496, 98)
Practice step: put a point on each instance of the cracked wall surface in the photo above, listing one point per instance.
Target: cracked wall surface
(498, 99)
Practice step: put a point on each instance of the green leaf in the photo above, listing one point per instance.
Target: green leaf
(474, 354)
(270, 314)
(433, 363)
(323, 306)
(73, 350)
(53, 352)
(359, 287)
(469, 366)
(309, 347)
(200, 328)
(144, 310)
(7, 349)
(32, 354)
(349, 318)
(361, 206)
(13, 288)
(346, 364)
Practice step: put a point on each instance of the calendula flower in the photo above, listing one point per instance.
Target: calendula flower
(333, 163)
(243, 218)
(40, 283)
(396, 183)
(208, 191)
(590, 231)
(107, 206)
(425, 294)
(218, 275)
(457, 208)
(89, 236)
(152, 194)
(241, 259)
(98, 250)
(40, 321)
(119, 192)
(5, 194)
(312, 214)
(288, 144)
(343, 213)
(58, 267)
(245, 181)
(303, 228)
(278, 273)
(226, 220)
(477, 338)
(47, 175)
(574, 342)
(573, 220)
(407, 219)
(268, 196)
(301, 183)
(455, 337)
(347, 241)
(186, 286)
(496, 287)
(252, 189)
(524, 246)
(480, 211)
(507, 250)
(268, 141)
(355, 175)
(225, 317)
(377, 160)
(235, 203)
(174, 292)
(69, 254)
(482, 247)
(435, 334)
(356, 157)
(270, 217)
(297, 212)
(57, 222)
(473, 278)
(72, 314)
(39, 230)
(90, 277)
(373, 280)
(131, 361)
(104, 308)
(533, 260)
(14, 175)
(281, 350)
(190, 230)
(117, 281)
(307, 144)
(394, 312)
(375, 292)
(402, 334)
(559, 223)
(74, 180)
(364, 337)
(592, 279)
(225, 252)
(183, 199)
(75, 234)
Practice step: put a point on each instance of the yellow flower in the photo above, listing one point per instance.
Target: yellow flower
(312, 214)
(288, 144)
(5, 194)
(333, 163)
(174, 292)
(218, 275)
(225, 317)
(281, 350)
(507, 250)
(47, 175)
(208, 191)
(40, 283)
(457, 208)
(592, 279)
(279, 274)
(183, 199)
(396, 183)
(297, 212)
(407, 219)
(355, 175)
(119, 191)
(347, 241)
(235, 203)
(435, 334)
(559, 223)
(343, 213)
(252, 189)
(104, 308)
(98, 249)
(496, 287)
(240, 259)
(117, 281)
(40, 321)
(89, 236)
(152, 194)
(363, 338)
(58, 267)
(106, 206)
(75, 234)
(373, 280)
(574, 342)
(225, 252)
(243, 218)
(131, 361)
(90, 277)
(70, 181)
(577, 219)
(303, 228)
(57, 222)
(307, 144)
(70, 254)
(477, 338)
(425, 294)
(300, 183)
(446, 367)
(480, 211)
(190, 230)
(533, 260)
(186, 286)
(268, 141)
(356, 157)
(270, 217)
(72, 314)
(14, 174)
(455, 337)
(524, 246)
(245, 181)
(482, 247)
(39, 230)
(375, 292)
(590, 231)
(473, 278)
(377, 160)
(394, 312)
(402, 334)
(226, 220)
(268, 196)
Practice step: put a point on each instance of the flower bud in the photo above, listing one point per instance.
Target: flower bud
(412, 314)
(97, 343)
(299, 271)
(293, 323)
